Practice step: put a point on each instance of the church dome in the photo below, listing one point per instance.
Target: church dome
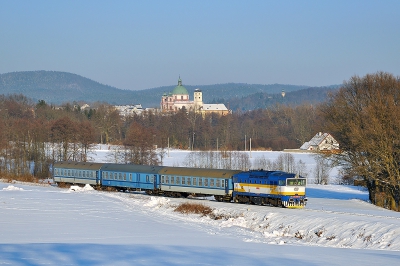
(180, 89)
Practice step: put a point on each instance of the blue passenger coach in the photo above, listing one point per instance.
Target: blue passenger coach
(77, 173)
(182, 181)
(131, 177)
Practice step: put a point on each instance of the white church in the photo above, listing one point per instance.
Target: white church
(179, 98)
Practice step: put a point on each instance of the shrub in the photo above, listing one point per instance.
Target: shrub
(187, 208)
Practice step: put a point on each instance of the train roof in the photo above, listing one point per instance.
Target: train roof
(78, 165)
(198, 172)
(134, 168)
(267, 174)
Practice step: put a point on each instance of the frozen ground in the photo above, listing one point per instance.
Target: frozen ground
(44, 225)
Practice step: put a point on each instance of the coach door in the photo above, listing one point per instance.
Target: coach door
(156, 184)
(226, 181)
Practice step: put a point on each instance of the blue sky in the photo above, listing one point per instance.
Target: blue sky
(144, 44)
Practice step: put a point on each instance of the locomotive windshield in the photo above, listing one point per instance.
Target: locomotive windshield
(296, 182)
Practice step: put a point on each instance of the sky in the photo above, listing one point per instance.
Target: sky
(138, 45)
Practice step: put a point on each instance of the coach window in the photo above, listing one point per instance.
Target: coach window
(148, 178)
(183, 180)
(130, 177)
(212, 183)
(152, 178)
(167, 179)
(125, 176)
(218, 183)
(172, 180)
(189, 181)
(194, 181)
(115, 176)
(200, 182)
(206, 182)
(178, 180)
(162, 179)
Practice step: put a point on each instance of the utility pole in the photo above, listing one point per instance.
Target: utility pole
(250, 148)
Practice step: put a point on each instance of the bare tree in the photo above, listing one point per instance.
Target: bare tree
(364, 116)
(321, 170)
(139, 147)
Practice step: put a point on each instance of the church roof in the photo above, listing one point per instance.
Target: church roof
(180, 89)
(215, 107)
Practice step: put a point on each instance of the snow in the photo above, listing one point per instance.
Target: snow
(46, 225)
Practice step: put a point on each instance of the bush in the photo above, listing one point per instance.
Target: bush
(187, 208)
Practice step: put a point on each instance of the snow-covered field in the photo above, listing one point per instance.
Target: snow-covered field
(44, 225)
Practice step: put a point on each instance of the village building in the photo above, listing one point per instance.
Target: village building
(179, 98)
(321, 142)
(129, 110)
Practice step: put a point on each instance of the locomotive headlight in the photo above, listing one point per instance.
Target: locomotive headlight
(296, 189)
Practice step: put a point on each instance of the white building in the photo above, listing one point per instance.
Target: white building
(179, 98)
(321, 142)
(129, 110)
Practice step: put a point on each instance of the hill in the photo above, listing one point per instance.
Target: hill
(60, 87)
(312, 95)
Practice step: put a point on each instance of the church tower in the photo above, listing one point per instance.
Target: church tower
(198, 99)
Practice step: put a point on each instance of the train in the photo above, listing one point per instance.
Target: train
(274, 188)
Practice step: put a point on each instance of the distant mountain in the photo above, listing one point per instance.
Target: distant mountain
(312, 95)
(60, 87)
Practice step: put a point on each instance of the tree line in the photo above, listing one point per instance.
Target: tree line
(33, 135)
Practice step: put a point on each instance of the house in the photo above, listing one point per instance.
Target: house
(321, 142)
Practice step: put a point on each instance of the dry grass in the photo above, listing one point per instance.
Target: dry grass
(196, 208)
(203, 210)
(23, 178)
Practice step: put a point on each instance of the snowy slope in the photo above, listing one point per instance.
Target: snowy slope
(44, 225)
(48, 225)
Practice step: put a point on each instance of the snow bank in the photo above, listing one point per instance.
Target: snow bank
(157, 202)
(350, 223)
(87, 187)
(12, 188)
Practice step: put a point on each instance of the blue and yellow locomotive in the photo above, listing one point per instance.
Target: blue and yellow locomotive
(255, 186)
(270, 188)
